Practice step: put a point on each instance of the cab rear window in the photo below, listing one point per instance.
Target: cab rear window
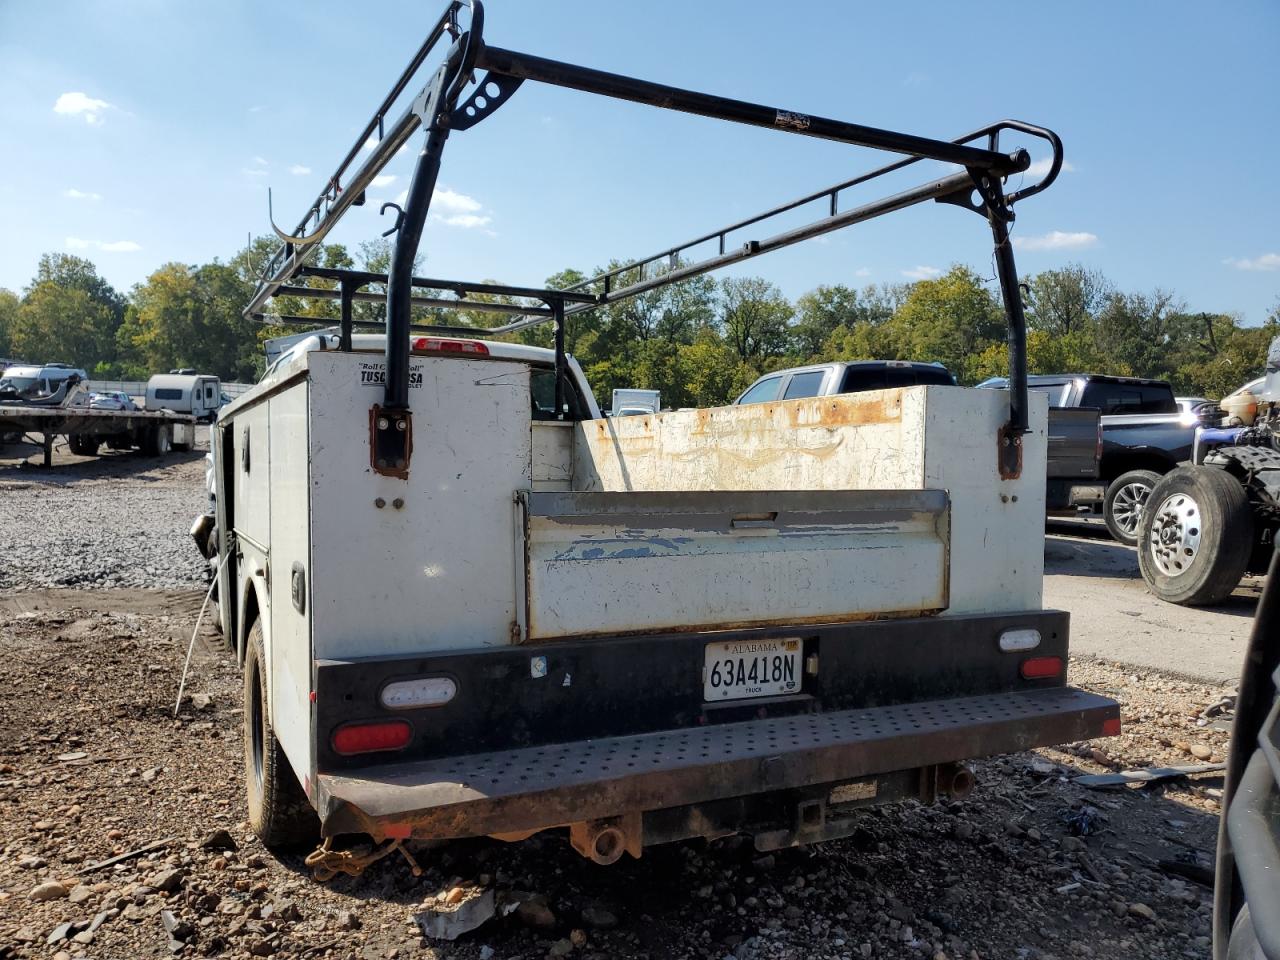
(1121, 398)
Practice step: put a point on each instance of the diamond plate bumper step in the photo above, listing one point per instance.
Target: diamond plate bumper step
(538, 787)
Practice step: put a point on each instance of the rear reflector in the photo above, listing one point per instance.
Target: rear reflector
(1038, 668)
(470, 348)
(1016, 641)
(425, 692)
(372, 737)
(1111, 727)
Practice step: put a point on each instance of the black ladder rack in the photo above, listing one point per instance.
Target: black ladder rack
(439, 109)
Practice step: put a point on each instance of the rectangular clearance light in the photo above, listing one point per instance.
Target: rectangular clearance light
(1041, 668)
(1018, 641)
(371, 737)
(423, 692)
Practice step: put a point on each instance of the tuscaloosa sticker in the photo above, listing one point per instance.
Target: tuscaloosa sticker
(373, 373)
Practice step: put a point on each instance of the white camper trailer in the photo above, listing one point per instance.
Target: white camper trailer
(197, 394)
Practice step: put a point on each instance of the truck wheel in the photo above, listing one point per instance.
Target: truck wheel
(83, 446)
(279, 811)
(1122, 506)
(1197, 533)
(158, 441)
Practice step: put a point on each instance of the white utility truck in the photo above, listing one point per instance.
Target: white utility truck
(420, 536)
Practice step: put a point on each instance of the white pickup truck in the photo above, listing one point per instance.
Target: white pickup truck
(468, 605)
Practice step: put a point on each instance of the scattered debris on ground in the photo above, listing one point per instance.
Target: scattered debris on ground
(122, 834)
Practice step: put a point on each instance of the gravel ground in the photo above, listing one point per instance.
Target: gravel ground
(119, 520)
(93, 764)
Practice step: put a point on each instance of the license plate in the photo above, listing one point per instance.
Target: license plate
(740, 669)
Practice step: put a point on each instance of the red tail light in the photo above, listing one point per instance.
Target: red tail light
(372, 737)
(1038, 668)
(469, 348)
(1111, 727)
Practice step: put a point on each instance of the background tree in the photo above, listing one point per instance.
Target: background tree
(9, 304)
(951, 319)
(1067, 301)
(754, 316)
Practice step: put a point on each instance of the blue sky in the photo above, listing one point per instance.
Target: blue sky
(144, 132)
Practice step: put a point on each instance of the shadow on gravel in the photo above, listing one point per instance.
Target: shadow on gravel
(71, 470)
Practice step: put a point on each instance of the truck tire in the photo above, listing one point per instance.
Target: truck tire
(279, 811)
(158, 441)
(1197, 534)
(1122, 505)
(82, 445)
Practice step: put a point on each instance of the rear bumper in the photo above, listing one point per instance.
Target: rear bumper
(532, 788)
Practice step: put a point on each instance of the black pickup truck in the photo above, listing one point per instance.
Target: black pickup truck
(1145, 434)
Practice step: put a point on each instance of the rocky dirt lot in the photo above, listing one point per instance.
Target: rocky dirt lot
(94, 766)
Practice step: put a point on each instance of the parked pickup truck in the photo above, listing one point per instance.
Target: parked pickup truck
(467, 605)
(1145, 434)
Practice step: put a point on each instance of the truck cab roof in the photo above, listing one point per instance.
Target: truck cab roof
(844, 376)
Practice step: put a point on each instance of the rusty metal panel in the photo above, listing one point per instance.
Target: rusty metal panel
(871, 440)
(538, 787)
(618, 563)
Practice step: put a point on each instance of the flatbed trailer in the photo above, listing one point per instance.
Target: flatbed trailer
(153, 431)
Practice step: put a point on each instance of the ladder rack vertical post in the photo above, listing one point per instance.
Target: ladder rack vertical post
(348, 288)
(557, 312)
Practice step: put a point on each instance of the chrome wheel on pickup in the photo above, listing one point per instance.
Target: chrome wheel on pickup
(1122, 507)
(1196, 536)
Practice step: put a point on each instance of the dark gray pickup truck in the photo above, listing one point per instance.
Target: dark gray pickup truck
(1145, 434)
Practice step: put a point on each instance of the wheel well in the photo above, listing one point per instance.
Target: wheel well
(247, 619)
(1117, 464)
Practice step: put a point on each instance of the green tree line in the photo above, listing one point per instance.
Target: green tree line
(699, 341)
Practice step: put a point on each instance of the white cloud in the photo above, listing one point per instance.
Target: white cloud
(298, 170)
(447, 199)
(75, 194)
(253, 171)
(464, 220)
(77, 104)
(1056, 240)
(862, 272)
(922, 273)
(369, 144)
(1268, 261)
(386, 180)
(114, 246)
(261, 162)
(257, 108)
(1040, 168)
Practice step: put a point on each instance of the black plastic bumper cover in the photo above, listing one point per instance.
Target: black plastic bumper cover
(538, 787)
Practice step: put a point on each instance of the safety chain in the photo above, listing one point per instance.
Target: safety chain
(326, 863)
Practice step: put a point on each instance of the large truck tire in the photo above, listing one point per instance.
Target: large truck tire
(1197, 534)
(158, 440)
(1123, 503)
(279, 811)
(82, 445)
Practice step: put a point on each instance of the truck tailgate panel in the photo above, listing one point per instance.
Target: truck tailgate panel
(618, 563)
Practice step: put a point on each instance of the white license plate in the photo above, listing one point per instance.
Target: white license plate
(751, 668)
